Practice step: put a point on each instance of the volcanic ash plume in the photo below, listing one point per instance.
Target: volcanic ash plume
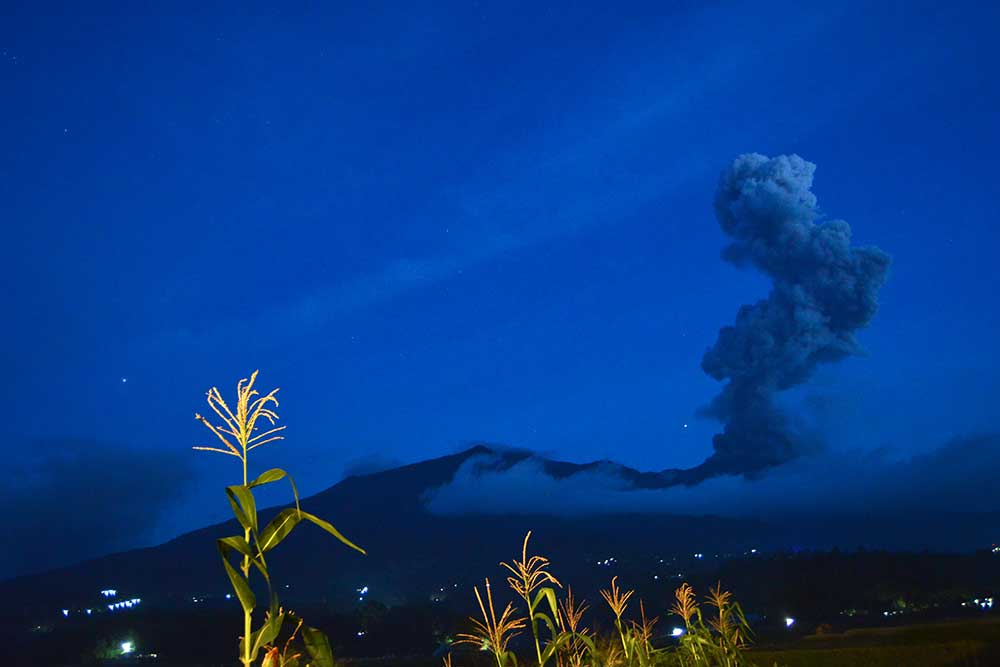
(823, 291)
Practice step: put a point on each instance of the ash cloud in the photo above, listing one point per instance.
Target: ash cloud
(824, 290)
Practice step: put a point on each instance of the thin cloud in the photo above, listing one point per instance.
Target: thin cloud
(68, 499)
(955, 477)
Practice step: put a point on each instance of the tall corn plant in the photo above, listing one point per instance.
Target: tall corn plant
(618, 601)
(576, 643)
(494, 633)
(720, 641)
(528, 577)
(239, 434)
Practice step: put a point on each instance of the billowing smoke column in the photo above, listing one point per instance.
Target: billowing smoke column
(824, 291)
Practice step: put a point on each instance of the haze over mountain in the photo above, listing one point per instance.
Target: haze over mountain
(446, 521)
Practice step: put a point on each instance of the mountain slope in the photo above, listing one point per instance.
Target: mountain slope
(411, 553)
(416, 555)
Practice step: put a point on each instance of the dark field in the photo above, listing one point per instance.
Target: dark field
(946, 644)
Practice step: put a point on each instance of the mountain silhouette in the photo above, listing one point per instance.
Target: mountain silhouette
(416, 555)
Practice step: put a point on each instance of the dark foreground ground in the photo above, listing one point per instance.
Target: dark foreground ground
(952, 643)
(946, 644)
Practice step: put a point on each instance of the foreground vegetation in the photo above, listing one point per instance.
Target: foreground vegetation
(558, 634)
(239, 434)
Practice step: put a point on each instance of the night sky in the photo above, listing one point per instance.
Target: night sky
(433, 225)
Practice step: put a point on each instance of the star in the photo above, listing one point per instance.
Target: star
(124, 380)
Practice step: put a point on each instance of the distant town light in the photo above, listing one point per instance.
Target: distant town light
(127, 647)
(677, 632)
(65, 612)
(789, 621)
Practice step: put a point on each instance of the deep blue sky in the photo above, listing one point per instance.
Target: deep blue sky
(436, 224)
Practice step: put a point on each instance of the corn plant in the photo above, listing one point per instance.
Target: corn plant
(720, 641)
(577, 642)
(528, 577)
(239, 434)
(494, 634)
(618, 601)
(716, 640)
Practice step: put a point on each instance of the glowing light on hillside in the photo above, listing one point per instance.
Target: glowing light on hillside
(789, 621)
(128, 647)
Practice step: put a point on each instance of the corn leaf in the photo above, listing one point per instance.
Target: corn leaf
(328, 527)
(240, 585)
(279, 527)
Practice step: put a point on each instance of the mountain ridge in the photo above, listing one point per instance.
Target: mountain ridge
(414, 554)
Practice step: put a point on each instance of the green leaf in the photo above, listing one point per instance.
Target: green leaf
(239, 544)
(278, 528)
(268, 476)
(554, 645)
(318, 647)
(273, 475)
(328, 527)
(542, 616)
(549, 594)
(240, 585)
(244, 506)
(295, 492)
